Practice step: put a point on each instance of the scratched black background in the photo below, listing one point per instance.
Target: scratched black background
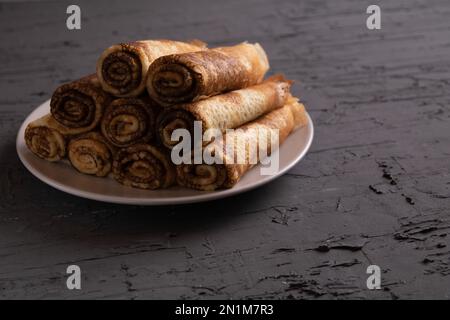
(375, 188)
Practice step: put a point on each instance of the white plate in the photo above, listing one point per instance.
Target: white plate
(63, 177)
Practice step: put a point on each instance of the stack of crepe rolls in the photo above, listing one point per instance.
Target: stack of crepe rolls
(185, 77)
(245, 143)
(119, 122)
(122, 68)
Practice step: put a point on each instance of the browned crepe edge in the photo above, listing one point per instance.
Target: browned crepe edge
(212, 71)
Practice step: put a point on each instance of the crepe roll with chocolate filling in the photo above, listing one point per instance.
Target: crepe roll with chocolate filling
(180, 78)
(91, 154)
(225, 111)
(214, 176)
(128, 121)
(46, 138)
(122, 68)
(144, 166)
(79, 105)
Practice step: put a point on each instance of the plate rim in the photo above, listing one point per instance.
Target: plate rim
(202, 197)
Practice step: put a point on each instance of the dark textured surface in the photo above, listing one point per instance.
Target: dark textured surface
(375, 188)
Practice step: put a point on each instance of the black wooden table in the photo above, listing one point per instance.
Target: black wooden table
(373, 190)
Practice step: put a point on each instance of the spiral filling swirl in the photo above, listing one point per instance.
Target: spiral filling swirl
(202, 176)
(74, 109)
(171, 119)
(91, 155)
(143, 166)
(45, 142)
(121, 70)
(174, 83)
(128, 121)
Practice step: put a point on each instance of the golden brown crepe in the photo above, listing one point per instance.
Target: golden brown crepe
(128, 121)
(79, 105)
(46, 138)
(214, 176)
(144, 166)
(122, 68)
(180, 78)
(225, 111)
(91, 153)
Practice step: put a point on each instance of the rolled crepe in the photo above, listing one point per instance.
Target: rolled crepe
(144, 166)
(79, 105)
(46, 138)
(122, 68)
(128, 121)
(229, 110)
(214, 176)
(186, 77)
(90, 153)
